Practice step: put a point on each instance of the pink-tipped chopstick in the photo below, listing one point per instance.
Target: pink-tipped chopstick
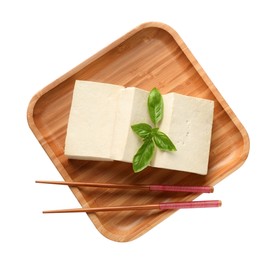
(173, 188)
(159, 206)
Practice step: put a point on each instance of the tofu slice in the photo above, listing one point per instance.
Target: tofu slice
(91, 121)
(188, 122)
(132, 109)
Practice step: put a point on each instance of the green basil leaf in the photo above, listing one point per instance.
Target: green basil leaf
(163, 142)
(155, 106)
(143, 157)
(143, 130)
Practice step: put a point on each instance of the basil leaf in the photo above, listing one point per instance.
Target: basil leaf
(155, 106)
(143, 130)
(163, 142)
(143, 157)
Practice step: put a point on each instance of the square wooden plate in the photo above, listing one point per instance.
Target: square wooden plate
(151, 55)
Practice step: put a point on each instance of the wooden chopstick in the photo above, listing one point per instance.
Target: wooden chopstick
(173, 188)
(159, 206)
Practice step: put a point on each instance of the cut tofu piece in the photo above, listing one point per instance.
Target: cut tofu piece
(188, 123)
(91, 121)
(132, 109)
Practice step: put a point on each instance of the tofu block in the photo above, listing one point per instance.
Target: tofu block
(188, 123)
(101, 115)
(91, 121)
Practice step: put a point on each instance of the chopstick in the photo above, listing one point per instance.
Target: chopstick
(171, 188)
(159, 206)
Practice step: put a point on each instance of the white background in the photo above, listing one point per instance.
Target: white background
(237, 45)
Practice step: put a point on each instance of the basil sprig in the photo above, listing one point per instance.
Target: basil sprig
(151, 135)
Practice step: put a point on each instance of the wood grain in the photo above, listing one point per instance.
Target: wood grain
(151, 55)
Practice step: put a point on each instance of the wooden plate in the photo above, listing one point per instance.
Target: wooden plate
(151, 55)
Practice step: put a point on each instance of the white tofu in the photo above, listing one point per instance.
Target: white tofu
(91, 121)
(188, 123)
(101, 115)
(132, 109)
